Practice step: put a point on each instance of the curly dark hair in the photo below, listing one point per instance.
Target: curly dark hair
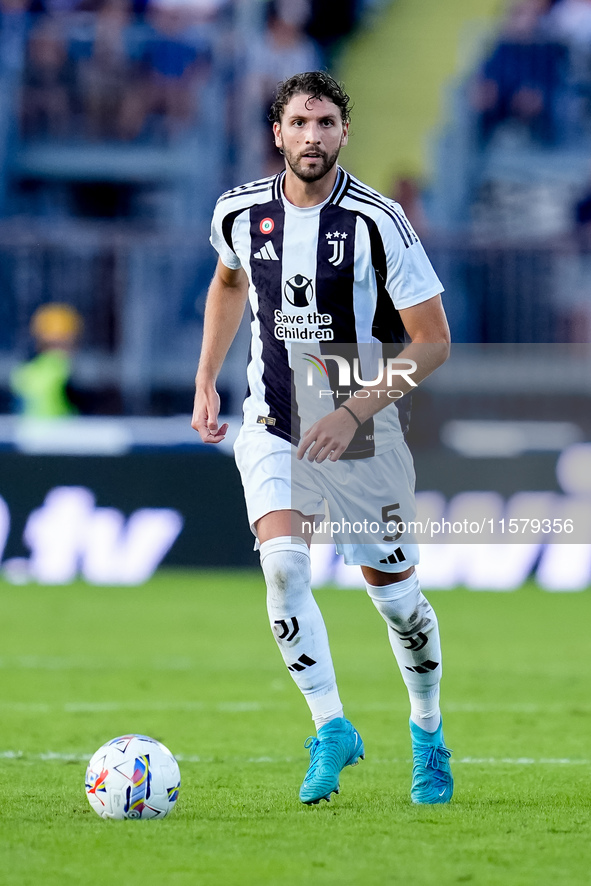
(314, 84)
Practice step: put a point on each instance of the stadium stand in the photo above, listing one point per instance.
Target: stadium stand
(513, 172)
(121, 122)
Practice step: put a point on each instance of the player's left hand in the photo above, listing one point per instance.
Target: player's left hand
(328, 437)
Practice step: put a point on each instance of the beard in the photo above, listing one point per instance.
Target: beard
(311, 174)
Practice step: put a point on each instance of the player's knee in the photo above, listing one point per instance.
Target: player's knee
(286, 567)
(400, 618)
(410, 623)
(404, 609)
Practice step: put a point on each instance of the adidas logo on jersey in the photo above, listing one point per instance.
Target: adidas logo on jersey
(267, 252)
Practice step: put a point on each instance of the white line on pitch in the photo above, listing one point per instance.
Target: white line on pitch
(52, 756)
(99, 707)
(523, 761)
(517, 708)
(67, 663)
(243, 707)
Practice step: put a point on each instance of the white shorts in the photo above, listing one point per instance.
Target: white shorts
(370, 500)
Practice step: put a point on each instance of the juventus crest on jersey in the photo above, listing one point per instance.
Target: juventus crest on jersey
(320, 278)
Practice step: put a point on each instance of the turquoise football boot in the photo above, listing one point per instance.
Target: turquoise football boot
(338, 745)
(432, 780)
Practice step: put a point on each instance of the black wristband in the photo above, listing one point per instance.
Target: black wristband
(350, 411)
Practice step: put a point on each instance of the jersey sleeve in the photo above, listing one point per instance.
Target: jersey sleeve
(411, 278)
(221, 235)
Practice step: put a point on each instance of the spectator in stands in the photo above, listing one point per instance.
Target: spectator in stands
(283, 50)
(406, 190)
(330, 21)
(48, 83)
(174, 63)
(521, 78)
(41, 384)
(103, 74)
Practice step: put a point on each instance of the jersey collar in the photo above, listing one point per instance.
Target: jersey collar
(338, 192)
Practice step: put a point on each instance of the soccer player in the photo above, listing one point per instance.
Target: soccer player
(328, 262)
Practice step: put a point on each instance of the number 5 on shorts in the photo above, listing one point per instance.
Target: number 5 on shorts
(388, 516)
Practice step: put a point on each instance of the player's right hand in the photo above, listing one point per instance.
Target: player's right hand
(205, 416)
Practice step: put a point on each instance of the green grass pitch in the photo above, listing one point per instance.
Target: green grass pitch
(189, 659)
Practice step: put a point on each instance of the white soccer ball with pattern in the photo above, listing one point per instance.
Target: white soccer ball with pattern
(133, 776)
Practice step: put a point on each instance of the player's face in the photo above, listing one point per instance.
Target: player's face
(311, 134)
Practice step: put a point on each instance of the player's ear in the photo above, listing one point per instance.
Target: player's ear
(277, 134)
(345, 137)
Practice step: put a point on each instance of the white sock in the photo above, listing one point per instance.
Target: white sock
(424, 709)
(414, 636)
(298, 625)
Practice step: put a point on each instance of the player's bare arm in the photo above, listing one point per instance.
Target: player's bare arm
(224, 309)
(427, 327)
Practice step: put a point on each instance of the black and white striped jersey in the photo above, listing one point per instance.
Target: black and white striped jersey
(320, 277)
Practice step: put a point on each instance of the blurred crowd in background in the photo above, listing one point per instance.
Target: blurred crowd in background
(121, 121)
(130, 69)
(538, 72)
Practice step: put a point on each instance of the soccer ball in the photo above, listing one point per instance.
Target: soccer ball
(133, 776)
